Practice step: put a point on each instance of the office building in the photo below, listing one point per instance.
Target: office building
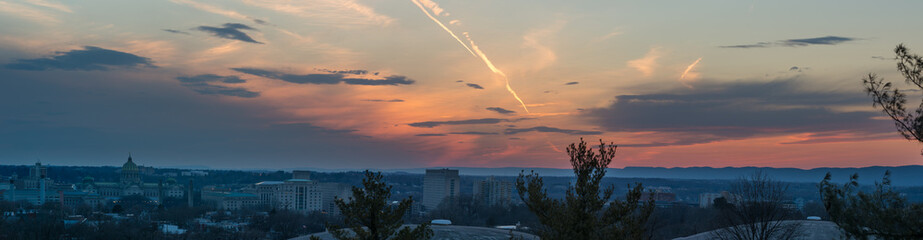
(493, 192)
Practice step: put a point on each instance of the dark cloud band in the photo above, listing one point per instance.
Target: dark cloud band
(205, 84)
(800, 42)
(473, 85)
(723, 111)
(511, 131)
(500, 110)
(325, 78)
(88, 59)
(230, 31)
(430, 124)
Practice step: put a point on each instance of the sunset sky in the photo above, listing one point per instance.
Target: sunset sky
(421, 83)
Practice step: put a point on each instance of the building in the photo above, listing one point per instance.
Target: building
(131, 183)
(493, 192)
(439, 184)
(330, 192)
(194, 173)
(232, 200)
(267, 191)
(663, 196)
(74, 199)
(38, 174)
(32, 196)
(296, 194)
(708, 199)
(300, 195)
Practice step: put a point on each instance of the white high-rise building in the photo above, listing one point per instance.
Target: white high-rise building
(439, 184)
(493, 192)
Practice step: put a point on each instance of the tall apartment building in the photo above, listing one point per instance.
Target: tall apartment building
(493, 192)
(439, 184)
(332, 191)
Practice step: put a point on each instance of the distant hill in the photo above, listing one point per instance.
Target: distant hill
(911, 175)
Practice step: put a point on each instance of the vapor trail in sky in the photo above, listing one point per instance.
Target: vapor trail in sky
(496, 71)
(478, 53)
(442, 25)
(682, 78)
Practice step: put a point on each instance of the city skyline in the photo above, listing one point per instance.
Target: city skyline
(426, 84)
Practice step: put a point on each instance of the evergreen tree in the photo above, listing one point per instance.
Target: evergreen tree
(369, 217)
(586, 212)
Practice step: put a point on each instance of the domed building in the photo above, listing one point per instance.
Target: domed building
(130, 183)
(131, 174)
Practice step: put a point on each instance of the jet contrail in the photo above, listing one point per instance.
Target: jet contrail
(689, 68)
(478, 53)
(495, 70)
(443, 26)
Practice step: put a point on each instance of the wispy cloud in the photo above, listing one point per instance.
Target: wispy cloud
(230, 31)
(51, 5)
(647, 64)
(28, 13)
(799, 42)
(544, 129)
(430, 124)
(383, 100)
(211, 78)
(342, 13)
(89, 58)
(218, 10)
(430, 135)
(175, 31)
(538, 40)
(205, 84)
(473, 133)
(326, 78)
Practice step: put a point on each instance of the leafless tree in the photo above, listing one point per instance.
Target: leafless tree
(758, 211)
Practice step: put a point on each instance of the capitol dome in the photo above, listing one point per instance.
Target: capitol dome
(130, 166)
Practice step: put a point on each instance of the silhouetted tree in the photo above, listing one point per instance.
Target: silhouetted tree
(882, 214)
(756, 211)
(586, 212)
(893, 100)
(369, 216)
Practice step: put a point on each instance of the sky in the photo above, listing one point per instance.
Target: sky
(358, 84)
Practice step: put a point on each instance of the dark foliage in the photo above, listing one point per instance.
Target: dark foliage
(586, 211)
(881, 214)
(369, 217)
(466, 210)
(893, 101)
